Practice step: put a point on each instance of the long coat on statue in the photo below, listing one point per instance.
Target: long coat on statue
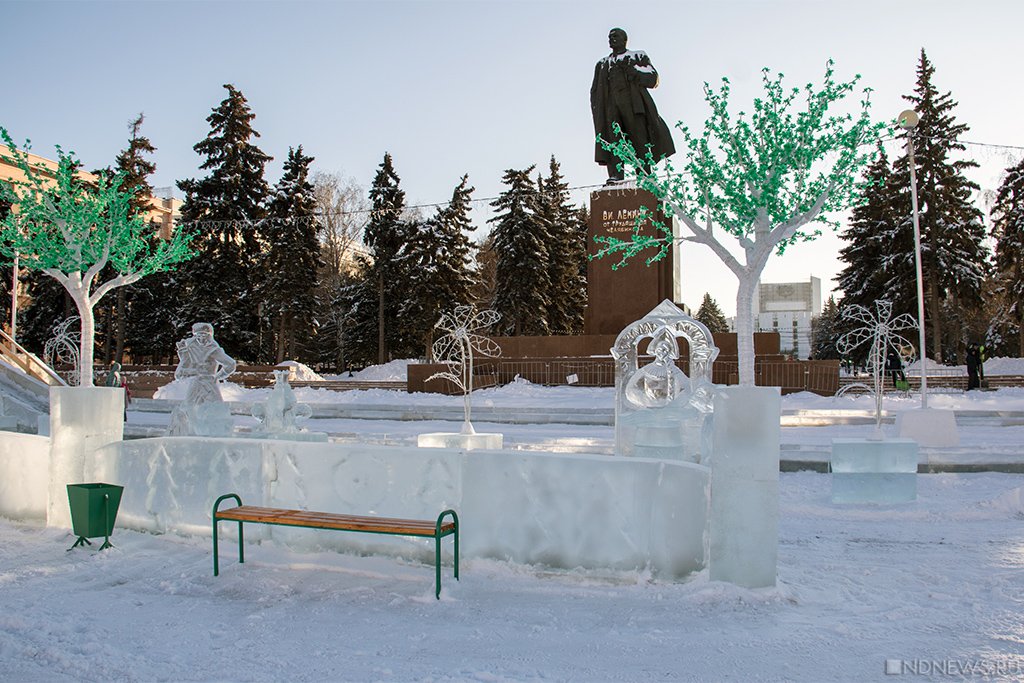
(620, 95)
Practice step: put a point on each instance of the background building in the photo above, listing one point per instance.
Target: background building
(787, 308)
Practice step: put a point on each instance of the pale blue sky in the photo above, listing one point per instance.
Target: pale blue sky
(455, 87)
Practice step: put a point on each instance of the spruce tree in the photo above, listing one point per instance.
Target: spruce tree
(954, 255)
(287, 287)
(134, 304)
(485, 269)
(565, 252)
(226, 208)
(869, 255)
(1008, 232)
(439, 259)
(387, 235)
(523, 269)
(711, 315)
(825, 332)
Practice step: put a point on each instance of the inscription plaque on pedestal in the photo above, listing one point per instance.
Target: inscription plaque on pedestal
(616, 299)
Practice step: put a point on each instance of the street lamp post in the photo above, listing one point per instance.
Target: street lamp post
(14, 299)
(908, 121)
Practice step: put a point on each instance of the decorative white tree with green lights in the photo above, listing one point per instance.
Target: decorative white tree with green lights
(761, 179)
(71, 231)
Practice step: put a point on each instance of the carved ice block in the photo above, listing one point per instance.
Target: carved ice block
(874, 471)
(745, 486)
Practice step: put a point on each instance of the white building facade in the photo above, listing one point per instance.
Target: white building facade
(789, 309)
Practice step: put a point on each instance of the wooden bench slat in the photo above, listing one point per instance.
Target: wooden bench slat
(327, 520)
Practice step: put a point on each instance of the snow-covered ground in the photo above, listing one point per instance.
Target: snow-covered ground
(932, 586)
(935, 583)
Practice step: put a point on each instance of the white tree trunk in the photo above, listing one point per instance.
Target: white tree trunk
(745, 328)
(85, 351)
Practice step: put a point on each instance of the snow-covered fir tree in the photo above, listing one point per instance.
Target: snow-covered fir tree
(1008, 232)
(869, 252)
(954, 257)
(440, 259)
(135, 315)
(484, 272)
(287, 286)
(566, 250)
(522, 267)
(387, 235)
(825, 332)
(226, 209)
(711, 315)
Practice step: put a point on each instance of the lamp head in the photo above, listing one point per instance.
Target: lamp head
(908, 120)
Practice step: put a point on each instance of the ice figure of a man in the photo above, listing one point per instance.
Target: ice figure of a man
(203, 362)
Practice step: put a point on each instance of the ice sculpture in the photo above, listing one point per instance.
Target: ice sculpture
(455, 349)
(881, 328)
(203, 362)
(866, 471)
(280, 414)
(659, 411)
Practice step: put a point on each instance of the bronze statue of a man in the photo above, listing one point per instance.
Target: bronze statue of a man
(620, 95)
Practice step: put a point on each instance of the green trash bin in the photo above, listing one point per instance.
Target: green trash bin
(93, 510)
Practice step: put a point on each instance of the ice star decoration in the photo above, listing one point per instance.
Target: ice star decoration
(456, 348)
(881, 328)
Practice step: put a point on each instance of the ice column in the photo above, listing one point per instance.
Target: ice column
(82, 419)
(745, 486)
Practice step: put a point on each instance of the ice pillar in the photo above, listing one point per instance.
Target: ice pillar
(745, 486)
(82, 419)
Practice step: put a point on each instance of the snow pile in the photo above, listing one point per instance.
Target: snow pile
(229, 391)
(303, 373)
(396, 370)
(933, 367)
(1003, 366)
(993, 366)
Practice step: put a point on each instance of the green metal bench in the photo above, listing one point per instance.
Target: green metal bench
(327, 520)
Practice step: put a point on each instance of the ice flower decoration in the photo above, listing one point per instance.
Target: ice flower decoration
(457, 347)
(882, 330)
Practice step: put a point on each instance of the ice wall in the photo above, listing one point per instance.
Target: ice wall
(561, 510)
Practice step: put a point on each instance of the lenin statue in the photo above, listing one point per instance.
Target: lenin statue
(620, 95)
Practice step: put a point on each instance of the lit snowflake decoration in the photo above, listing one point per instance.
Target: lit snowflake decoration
(62, 348)
(456, 348)
(882, 329)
